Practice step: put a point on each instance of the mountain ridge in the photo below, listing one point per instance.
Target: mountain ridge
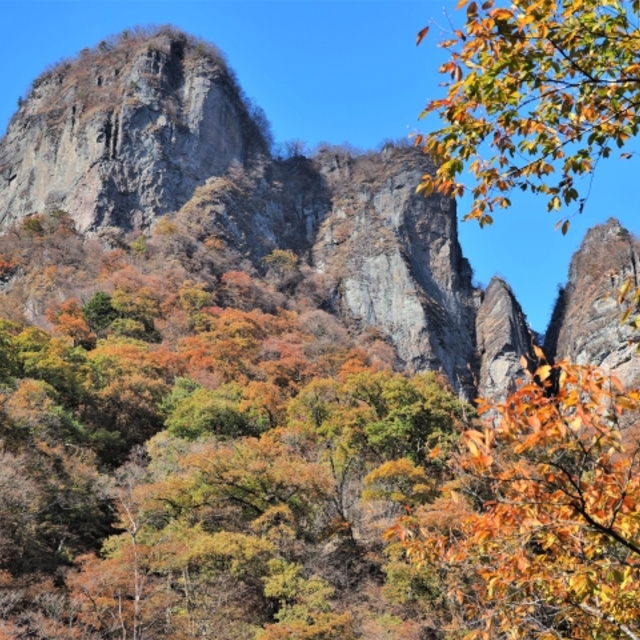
(220, 412)
(151, 124)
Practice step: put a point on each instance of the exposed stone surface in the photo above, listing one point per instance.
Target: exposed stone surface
(273, 205)
(386, 259)
(147, 126)
(585, 326)
(502, 338)
(123, 134)
(395, 262)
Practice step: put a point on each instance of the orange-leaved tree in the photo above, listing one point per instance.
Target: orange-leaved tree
(539, 535)
(538, 92)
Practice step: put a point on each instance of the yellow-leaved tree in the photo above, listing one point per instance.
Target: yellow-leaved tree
(539, 91)
(538, 536)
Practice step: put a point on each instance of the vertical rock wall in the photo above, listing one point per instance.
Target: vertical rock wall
(503, 339)
(585, 327)
(123, 134)
(396, 263)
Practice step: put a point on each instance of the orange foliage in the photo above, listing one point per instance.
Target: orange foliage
(68, 320)
(555, 542)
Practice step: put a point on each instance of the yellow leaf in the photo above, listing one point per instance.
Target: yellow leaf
(522, 564)
(501, 14)
(426, 186)
(473, 449)
(562, 379)
(624, 289)
(543, 372)
(539, 353)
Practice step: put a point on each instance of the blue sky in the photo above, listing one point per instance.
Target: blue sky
(330, 71)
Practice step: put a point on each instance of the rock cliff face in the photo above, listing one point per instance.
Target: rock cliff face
(395, 262)
(154, 124)
(585, 326)
(125, 133)
(385, 259)
(502, 338)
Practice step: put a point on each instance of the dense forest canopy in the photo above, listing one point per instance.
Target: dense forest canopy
(182, 456)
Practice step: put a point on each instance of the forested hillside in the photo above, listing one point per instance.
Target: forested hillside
(240, 387)
(189, 452)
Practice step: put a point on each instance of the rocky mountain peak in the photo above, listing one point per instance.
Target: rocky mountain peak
(153, 123)
(125, 132)
(604, 245)
(502, 339)
(585, 326)
(396, 263)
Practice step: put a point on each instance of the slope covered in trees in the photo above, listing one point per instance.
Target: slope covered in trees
(188, 452)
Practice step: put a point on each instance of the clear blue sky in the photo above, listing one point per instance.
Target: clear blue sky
(329, 71)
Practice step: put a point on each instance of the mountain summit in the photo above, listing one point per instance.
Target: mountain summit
(126, 132)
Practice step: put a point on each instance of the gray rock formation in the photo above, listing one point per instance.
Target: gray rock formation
(395, 262)
(503, 339)
(155, 124)
(585, 326)
(124, 134)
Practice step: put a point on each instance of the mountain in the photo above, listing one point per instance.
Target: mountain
(225, 373)
(125, 132)
(585, 325)
(155, 123)
(503, 338)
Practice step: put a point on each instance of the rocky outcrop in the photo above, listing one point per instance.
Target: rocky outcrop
(585, 326)
(154, 124)
(503, 339)
(387, 259)
(125, 133)
(395, 263)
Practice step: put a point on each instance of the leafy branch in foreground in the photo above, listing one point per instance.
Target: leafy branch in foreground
(539, 92)
(546, 544)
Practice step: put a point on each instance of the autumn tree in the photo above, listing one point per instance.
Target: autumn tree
(120, 594)
(538, 93)
(68, 319)
(304, 609)
(54, 360)
(208, 533)
(193, 411)
(544, 542)
(126, 382)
